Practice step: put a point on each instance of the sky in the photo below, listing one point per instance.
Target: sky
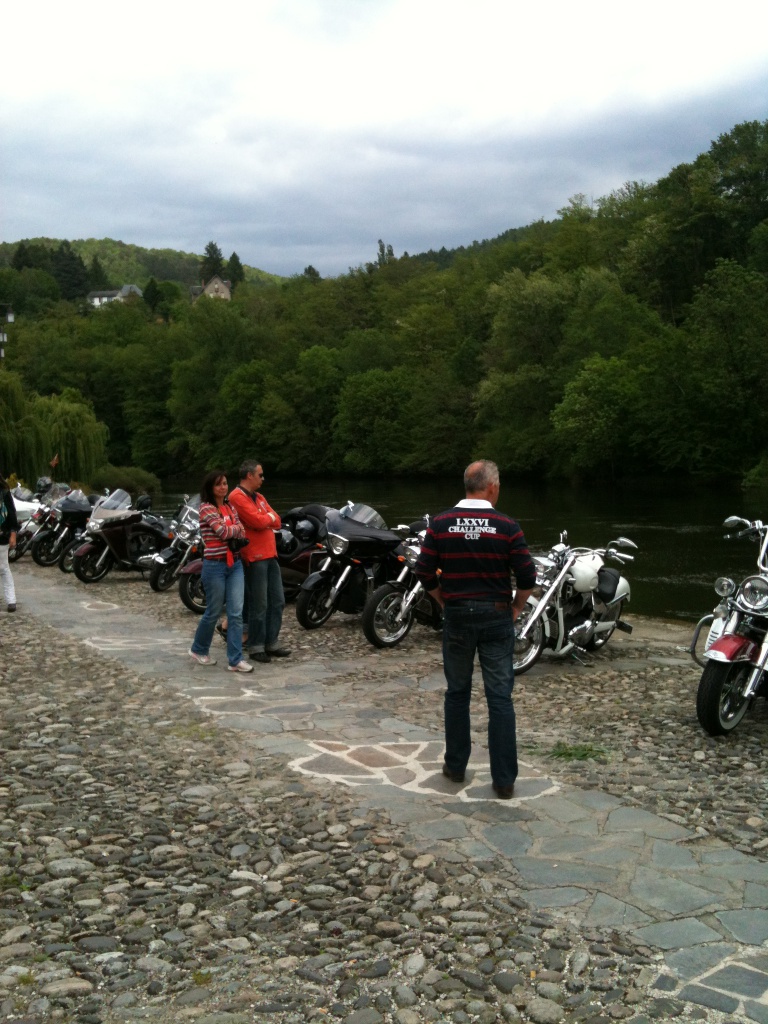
(298, 132)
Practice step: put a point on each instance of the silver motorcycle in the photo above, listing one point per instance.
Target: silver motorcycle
(577, 603)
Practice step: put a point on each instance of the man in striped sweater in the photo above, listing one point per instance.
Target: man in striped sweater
(477, 551)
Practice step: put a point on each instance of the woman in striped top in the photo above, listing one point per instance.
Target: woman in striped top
(222, 574)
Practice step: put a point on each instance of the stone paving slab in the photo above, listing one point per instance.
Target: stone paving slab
(702, 902)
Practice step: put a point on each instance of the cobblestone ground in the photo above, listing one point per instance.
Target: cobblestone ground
(152, 867)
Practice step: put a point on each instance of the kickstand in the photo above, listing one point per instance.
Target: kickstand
(575, 657)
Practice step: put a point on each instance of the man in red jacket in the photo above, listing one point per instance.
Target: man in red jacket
(265, 599)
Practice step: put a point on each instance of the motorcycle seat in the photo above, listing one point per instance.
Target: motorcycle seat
(607, 583)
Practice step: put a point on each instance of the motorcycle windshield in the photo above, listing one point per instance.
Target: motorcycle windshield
(364, 515)
(22, 493)
(75, 501)
(190, 512)
(118, 499)
(55, 493)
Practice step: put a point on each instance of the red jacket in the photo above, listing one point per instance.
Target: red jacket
(259, 521)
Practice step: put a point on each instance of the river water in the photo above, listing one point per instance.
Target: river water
(677, 528)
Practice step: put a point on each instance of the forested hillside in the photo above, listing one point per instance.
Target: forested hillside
(625, 336)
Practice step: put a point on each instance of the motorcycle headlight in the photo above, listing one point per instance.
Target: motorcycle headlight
(724, 587)
(411, 556)
(93, 527)
(337, 545)
(754, 593)
(182, 531)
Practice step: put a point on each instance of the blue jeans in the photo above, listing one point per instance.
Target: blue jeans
(265, 601)
(223, 588)
(469, 627)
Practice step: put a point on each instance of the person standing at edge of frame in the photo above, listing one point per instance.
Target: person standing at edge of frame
(264, 595)
(478, 550)
(9, 524)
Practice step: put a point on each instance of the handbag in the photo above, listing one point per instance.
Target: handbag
(237, 543)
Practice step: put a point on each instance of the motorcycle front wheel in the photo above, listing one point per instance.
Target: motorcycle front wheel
(720, 700)
(192, 592)
(14, 554)
(599, 640)
(380, 623)
(312, 608)
(527, 652)
(161, 575)
(44, 551)
(86, 566)
(66, 559)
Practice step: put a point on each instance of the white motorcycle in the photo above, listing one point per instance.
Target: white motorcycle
(577, 604)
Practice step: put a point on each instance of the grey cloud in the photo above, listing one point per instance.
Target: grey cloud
(332, 197)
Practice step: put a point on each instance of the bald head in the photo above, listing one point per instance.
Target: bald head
(481, 479)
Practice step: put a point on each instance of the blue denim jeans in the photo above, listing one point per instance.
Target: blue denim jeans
(223, 589)
(264, 601)
(469, 627)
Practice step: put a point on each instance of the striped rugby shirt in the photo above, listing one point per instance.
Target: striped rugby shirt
(477, 550)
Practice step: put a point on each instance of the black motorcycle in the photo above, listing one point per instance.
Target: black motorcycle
(360, 556)
(55, 522)
(393, 607)
(185, 546)
(120, 536)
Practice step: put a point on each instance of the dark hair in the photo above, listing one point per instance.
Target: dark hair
(206, 488)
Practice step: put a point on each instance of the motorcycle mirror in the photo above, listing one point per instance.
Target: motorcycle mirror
(402, 531)
(626, 542)
(733, 521)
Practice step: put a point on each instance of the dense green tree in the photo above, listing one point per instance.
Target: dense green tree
(235, 272)
(70, 272)
(97, 276)
(212, 263)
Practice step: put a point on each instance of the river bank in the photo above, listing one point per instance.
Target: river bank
(156, 864)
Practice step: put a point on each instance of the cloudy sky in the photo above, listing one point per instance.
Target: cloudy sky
(299, 132)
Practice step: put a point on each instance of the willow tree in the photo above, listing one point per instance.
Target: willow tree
(71, 432)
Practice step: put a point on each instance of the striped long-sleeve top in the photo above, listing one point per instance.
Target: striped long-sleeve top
(217, 526)
(478, 550)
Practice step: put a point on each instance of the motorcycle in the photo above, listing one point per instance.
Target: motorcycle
(579, 604)
(41, 518)
(360, 556)
(393, 607)
(120, 536)
(736, 647)
(67, 523)
(25, 503)
(299, 542)
(186, 545)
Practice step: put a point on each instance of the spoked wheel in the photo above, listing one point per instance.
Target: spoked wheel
(161, 576)
(599, 640)
(44, 551)
(14, 554)
(192, 592)
(87, 569)
(720, 700)
(313, 607)
(380, 623)
(67, 557)
(527, 651)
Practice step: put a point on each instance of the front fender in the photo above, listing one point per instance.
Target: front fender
(731, 648)
(530, 607)
(195, 566)
(317, 579)
(42, 534)
(85, 548)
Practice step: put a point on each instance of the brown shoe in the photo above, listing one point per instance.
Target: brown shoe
(453, 776)
(504, 792)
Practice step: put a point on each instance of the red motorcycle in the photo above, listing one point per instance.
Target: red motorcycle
(735, 652)
(120, 536)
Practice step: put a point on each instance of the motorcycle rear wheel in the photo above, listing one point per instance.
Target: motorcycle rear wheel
(86, 566)
(44, 551)
(192, 592)
(720, 700)
(379, 617)
(311, 607)
(527, 652)
(601, 639)
(66, 559)
(161, 576)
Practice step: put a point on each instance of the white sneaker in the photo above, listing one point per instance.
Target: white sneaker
(241, 666)
(202, 659)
